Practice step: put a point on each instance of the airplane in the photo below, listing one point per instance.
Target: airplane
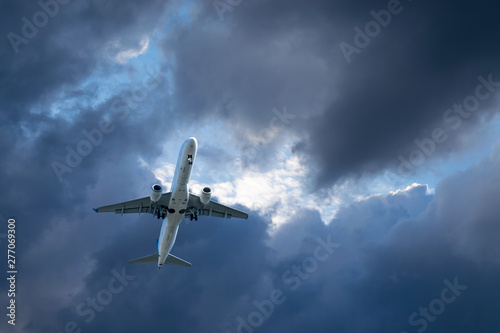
(173, 206)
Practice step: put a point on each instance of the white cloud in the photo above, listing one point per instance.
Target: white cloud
(123, 56)
(165, 175)
(281, 192)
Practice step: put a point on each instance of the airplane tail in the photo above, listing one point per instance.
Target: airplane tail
(153, 259)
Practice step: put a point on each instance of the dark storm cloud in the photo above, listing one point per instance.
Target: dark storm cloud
(260, 58)
(399, 88)
(67, 47)
(359, 116)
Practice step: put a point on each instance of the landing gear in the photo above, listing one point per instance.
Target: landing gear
(194, 214)
(159, 212)
(190, 159)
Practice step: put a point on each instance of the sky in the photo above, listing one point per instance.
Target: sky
(362, 137)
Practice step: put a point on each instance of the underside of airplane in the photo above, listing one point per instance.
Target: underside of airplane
(172, 207)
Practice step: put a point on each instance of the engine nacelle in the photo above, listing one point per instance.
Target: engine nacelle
(155, 192)
(205, 195)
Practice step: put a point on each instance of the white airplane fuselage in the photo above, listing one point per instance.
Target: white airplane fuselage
(178, 200)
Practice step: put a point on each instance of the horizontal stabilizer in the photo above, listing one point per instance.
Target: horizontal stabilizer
(153, 259)
(173, 260)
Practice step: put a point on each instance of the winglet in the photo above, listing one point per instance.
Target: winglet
(94, 209)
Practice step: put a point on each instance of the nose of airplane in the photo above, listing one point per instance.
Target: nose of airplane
(193, 143)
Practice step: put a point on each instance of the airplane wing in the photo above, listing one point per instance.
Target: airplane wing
(143, 205)
(212, 209)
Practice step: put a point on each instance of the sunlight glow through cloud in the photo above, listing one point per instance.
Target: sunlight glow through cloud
(277, 194)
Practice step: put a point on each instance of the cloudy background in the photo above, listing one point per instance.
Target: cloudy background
(383, 144)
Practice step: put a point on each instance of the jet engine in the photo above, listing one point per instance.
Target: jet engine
(155, 192)
(205, 195)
